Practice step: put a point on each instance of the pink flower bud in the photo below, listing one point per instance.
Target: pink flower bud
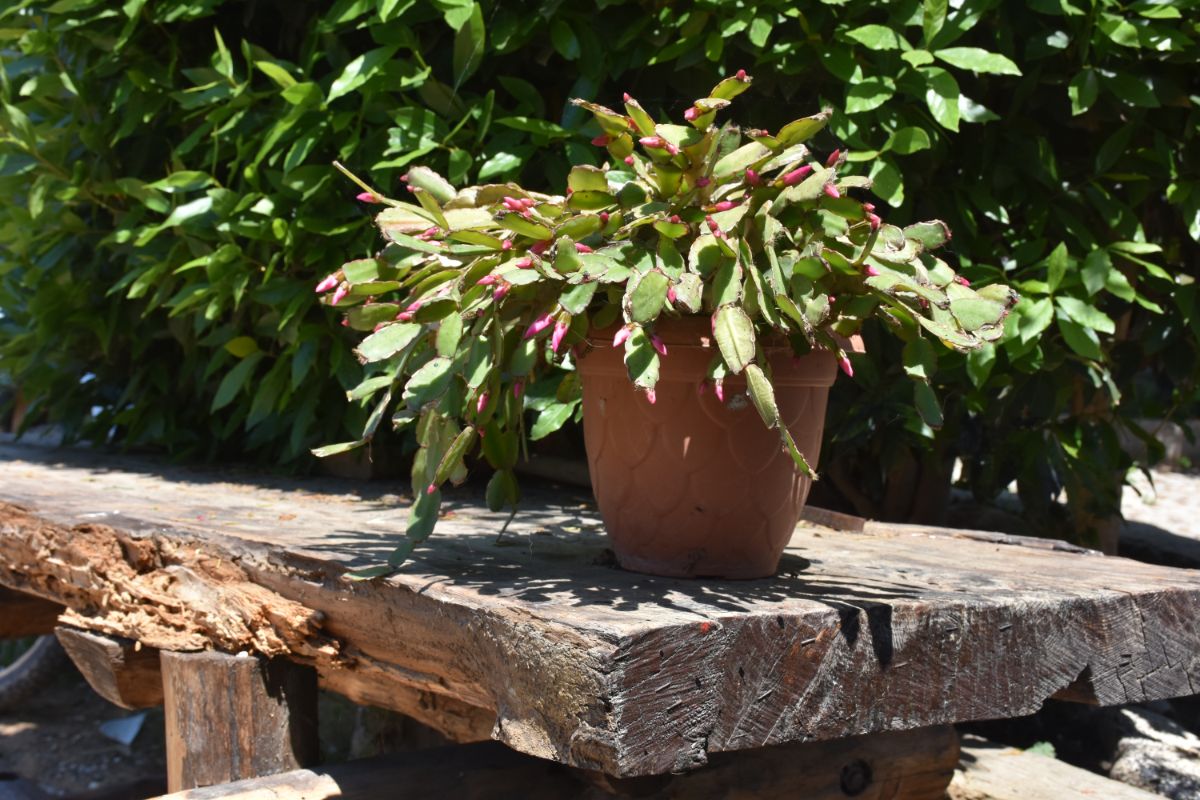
(345, 323)
(844, 363)
(742, 76)
(341, 292)
(658, 344)
(871, 271)
(367, 197)
(513, 204)
(719, 390)
(622, 335)
(675, 218)
(328, 283)
(701, 182)
(752, 177)
(429, 233)
(412, 190)
(797, 175)
(671, 296)
(629, 160)
(713, 226)
(652, 141)
(501, 290)
(868, 206)
(481, 403)
(560, 330)
(404, 316)
(603, 217)
(540, 324)
(600, 141)
(506, 244)
(724, 205)
(528, 202)
(431, 488)
(523, 263)
(959, 279)
(831, 191)
(377, 328)
(874, 220)
(652, 396)
(833, 157)
(691, 114)
(404, 178)
(414, 306)
(580, 247)
(625, 96)
(518, 388)
(537, 248)
(486, 280)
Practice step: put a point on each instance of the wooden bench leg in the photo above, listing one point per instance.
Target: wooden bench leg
(230, 717)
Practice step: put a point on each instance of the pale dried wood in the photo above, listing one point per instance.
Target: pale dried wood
(912, 765)
(120, 670)
(231, 717)
(991, 771)
(893, 628)
(26, 615)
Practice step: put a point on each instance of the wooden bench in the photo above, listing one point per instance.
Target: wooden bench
(535, 639)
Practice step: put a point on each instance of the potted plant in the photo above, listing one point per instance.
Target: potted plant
(700, 290)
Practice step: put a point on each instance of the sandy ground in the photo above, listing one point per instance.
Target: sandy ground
(55, 743)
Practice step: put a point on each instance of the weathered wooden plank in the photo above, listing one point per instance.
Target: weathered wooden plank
(994, 772)
(26, 615)
(893, 628)
(231, 717)
(120, 670)
(913, 765)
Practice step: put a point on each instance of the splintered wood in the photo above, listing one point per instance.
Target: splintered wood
(536, 638)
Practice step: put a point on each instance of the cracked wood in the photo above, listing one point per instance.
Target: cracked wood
(891, 628)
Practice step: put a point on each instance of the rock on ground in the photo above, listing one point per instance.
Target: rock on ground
(1157, 755)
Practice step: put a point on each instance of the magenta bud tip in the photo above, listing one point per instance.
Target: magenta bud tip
(846, 366)
(741, 75)
(367, 197)
(629, 160)
(831, 191)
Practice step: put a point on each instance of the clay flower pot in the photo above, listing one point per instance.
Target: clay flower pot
(693, 486)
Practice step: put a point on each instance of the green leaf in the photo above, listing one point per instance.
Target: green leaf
(1137, 90)
(933, 17)
(282, 78)
(977, 60)
(551, 419)
(1082, 91)
(242, 346)
(1033, 318)
(907, 141)
(1096, 267)
(931, 235)
(576, 299)
(875, 37)
(469, 45)
(423, 516)
(763, 396)
(233, 381)
(735, 337)
(387, 342)
(735, 163)
(645, 296)
(801, 130)
(502, 490)
(920, 359)
(532, 125)
(917, 58)
(927, 404)
(452, 458)
(941, 95)
(1120, 30)
(980, 363)
(867, 95)
(1056, 266)
(370, 573)
(587, 179)
(641, 360)
(564, 39)
(1080, 339)
(1086, 315)
(334, 449)
(359, 71)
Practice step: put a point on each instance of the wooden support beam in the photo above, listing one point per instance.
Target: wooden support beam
(118, 669)
(26, 615)
(914, 765)
(235, 717)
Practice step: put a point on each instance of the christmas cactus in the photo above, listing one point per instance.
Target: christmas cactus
(482, 291)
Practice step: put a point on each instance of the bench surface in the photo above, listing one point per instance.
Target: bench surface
(537, 639)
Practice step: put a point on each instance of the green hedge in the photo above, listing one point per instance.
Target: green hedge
(172, 201)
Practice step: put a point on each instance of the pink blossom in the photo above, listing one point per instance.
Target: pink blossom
(831, 191)
(518, 388)
(486, 280)
(797, 175)
(328, 283)
(537, 248)
(719, 390)
(513, 204)
(625, 96)
(431, 488)
(629, 160)
(622, 335)
(671, 295)
(652, 396)
(871, 271)
(501, 290)
(713, 226)
(341, 292)
(868, 206)
(560, 330)
(404, 316)
(833, 157)
(506, 244)
(752, 177)
(701, 182)
(651, 141)
(345, 323)
(481, 403)
(844, 363)
(675, 218)
(961, 280)
(658, 344)
(528, 202)
(742, 76)
(367, 197)
(523, 263)
(691, 114)
(724, 205)
(603, 217)
(540, 324)
(414, 306)
(874, 220)
(580, 247)
(600, 141)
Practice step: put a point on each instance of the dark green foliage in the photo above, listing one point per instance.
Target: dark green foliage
(169, 199)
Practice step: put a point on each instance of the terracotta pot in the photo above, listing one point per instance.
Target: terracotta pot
(690, 486)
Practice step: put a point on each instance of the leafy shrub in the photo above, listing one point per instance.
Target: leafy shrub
(174, 202)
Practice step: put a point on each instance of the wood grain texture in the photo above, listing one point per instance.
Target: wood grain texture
(231, 717)
(120, 670)
(894, 628)
(912, 765)
(26, 615)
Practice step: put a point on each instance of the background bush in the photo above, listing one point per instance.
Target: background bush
(170, 203)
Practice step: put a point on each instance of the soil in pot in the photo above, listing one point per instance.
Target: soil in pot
(692, 485)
